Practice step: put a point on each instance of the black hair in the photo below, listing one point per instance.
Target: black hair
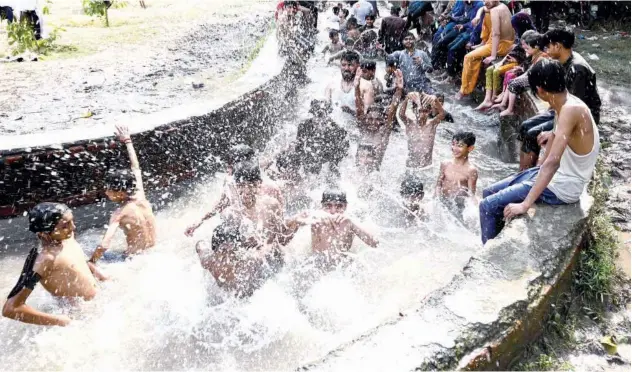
(240, 152)
(345, 12)
(408, 34)
(370, 16)
(367, 64)
(247, 172)
(367, 147)
(547, 74)
(336, 10)
(334, 195)
(533, 39)
(121, 180)
(468, 138)
(380, 109)
(290, 3)
(391, 61)
(225, 233)
(352, 21)
(566, 38)
(45, 216)
(333, 33)
(440, 96)
(395, 9)
(350, 56)
(412, 185)
(350, 41)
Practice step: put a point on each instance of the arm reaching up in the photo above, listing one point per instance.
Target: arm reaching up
(122, 132)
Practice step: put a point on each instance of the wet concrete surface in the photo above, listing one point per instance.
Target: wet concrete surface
(139, 78)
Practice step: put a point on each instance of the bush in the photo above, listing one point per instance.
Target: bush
(21, 37)
(100, 8)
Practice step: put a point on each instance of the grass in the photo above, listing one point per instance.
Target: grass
(251, 57)
(613, 65)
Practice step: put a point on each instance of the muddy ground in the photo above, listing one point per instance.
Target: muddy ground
(146, 61)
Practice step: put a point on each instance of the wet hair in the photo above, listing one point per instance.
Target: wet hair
(395, 10)
(533, 39)
(352, 21)
(225, 233)
(367, 64)
(566, 38)
(350, 56)
(350, 42)
(333, 33)
(318, 105)
(240, 152)
(336, 10)
(334, 196)
(408, 34)
(468, 138)
(412, 185)
(440, 96)
(247, 172)
(391, 61)
(345, 12)
(370, 16)
(45, 216)
(122, 180)
(367, 147)
(548, 75)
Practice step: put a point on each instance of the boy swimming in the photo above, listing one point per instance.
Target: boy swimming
(457, 178)
(135, 216)
(60, 266)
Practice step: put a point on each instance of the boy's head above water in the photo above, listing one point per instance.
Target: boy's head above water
(53, 220)
(247, 175)
(349, 43)
(463, 144)
(334, 36)
(120, 185)
(412, 192)
(368, 69)
(334, 201)
(239, 153)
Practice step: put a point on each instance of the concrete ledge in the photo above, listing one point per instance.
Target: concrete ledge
(488, 312)
(173, 145)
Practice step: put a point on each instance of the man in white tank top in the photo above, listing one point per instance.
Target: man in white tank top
(568, 163)
(341, 92)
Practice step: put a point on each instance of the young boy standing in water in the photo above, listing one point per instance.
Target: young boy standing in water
(332, 230)
(60, 266)
(457, 178)
(135, 216)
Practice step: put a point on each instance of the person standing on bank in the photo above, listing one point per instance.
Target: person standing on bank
(568, 162)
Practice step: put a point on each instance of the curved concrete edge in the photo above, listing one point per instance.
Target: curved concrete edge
(172, 145)
(488, 312)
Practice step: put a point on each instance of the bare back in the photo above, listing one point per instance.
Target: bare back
(139, 225)
(68, 274)
(502, 15)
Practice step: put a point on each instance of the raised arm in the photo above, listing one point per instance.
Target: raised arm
(364, 235)
(399, 92)
(16, 307)
(359, 99)
(122, 131)
(217, 208)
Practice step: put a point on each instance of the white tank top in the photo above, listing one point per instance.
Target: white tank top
(341, 98)
(575, 171)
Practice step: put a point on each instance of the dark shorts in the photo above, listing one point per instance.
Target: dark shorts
(114, 256)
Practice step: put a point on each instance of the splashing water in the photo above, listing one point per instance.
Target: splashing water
(162, 311)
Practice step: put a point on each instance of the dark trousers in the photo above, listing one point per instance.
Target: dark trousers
(6, 12)
(531, 128)
(413, 18)
(439, 53)
(31, 17)
(540, 11)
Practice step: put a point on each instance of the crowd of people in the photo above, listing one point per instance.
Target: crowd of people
(248, 245)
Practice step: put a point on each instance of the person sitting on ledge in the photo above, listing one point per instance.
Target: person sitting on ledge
(135, 216)
(568, 163)
(60, 266)
(498, 36)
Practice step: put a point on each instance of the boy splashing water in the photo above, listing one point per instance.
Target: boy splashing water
(135, 216)
(60, 266)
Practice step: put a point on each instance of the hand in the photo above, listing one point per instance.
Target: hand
(63, 320)
(190, 230)
(515, 210)
(399, 79)
(122, 132)
(476, 21)
(417, 60)
(545, 137)
(468, 46)
(489, 60)
(358, 76)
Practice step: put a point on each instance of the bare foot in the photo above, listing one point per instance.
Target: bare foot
(484, 106)
(498, 106)
(499, 98)
(459, 96)
(506, 112)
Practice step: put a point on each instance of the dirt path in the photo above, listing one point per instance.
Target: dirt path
(148, 60)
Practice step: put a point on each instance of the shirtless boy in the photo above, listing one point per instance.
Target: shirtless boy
(457, 178)
(332, 230)
(135, 216)
(336, 45)
(237, 154)
(421, 131)
(60, 266)
(412, 193)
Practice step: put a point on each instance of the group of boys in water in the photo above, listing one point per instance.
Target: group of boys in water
(247, 247)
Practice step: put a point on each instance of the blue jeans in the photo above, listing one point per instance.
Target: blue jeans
(513, 189)
(456, 53)
(442, 30)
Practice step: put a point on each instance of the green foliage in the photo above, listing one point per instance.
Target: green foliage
(22, 38)
(46, 8)
(99, 8)
(546, 363)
